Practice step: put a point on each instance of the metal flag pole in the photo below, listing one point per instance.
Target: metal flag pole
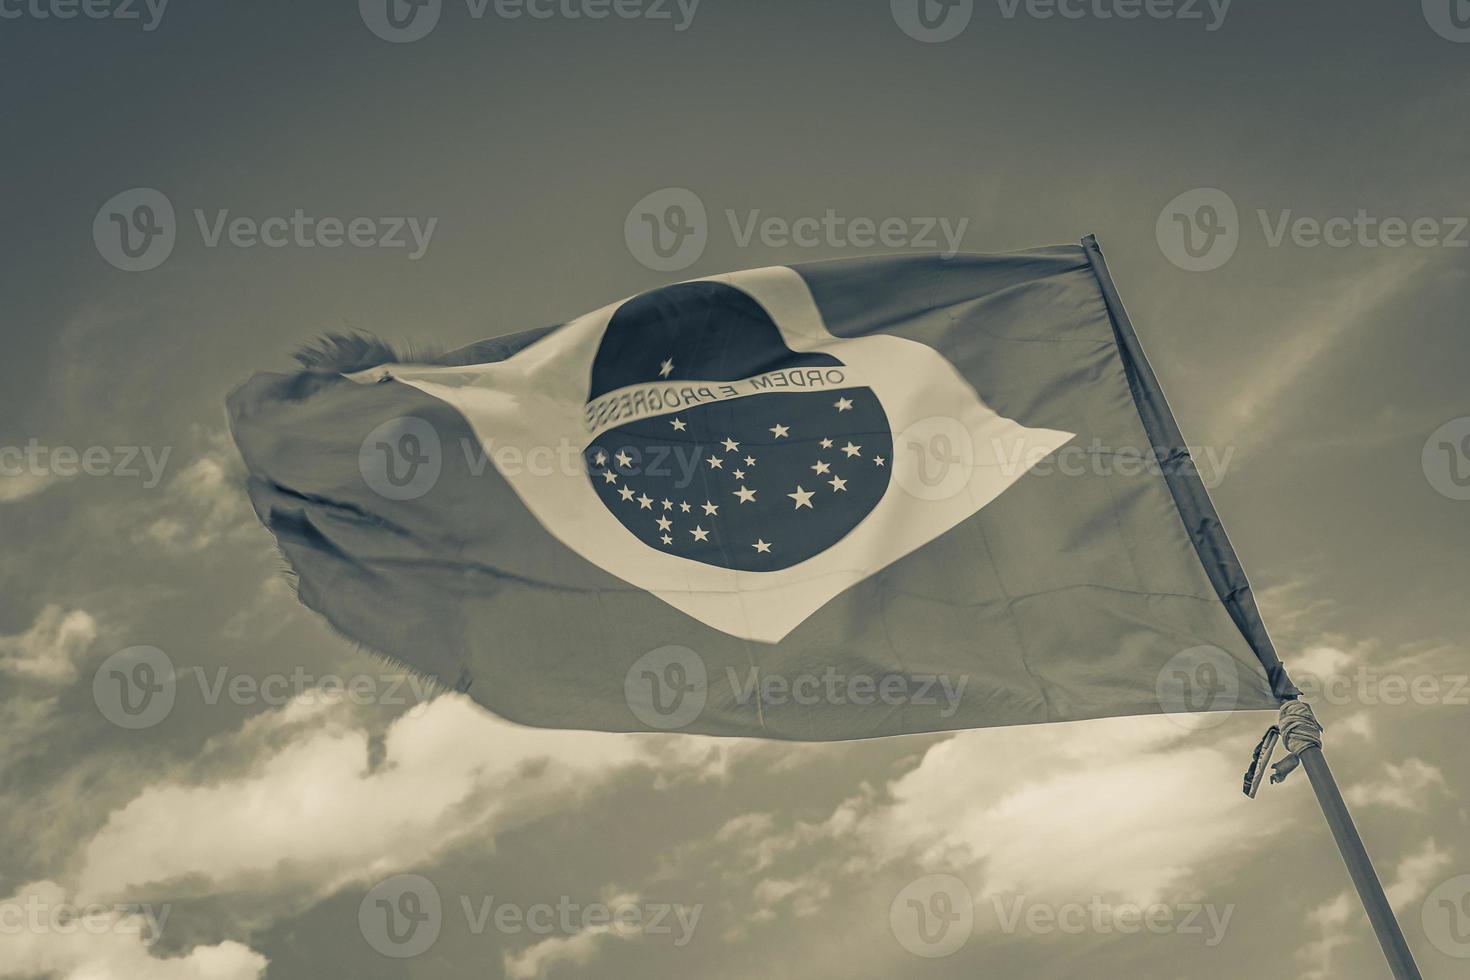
(1360, 867)
(1302, 736)
(1298, 729)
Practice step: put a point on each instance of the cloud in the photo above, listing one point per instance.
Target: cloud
(1415, 874)
(1320, 661)
(1329, 919)
(1404, 786)
(1136, 810)
(48, 651)
(577, 949)
(539, 959)
(1131, 808)
(23, 485)
(1359, 724)
(204, 503)
(45, 935)
(317, 812)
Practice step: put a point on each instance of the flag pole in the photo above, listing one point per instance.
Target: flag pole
(1359, 865)
(1299, 731)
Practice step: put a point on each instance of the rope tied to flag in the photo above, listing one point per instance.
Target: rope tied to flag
(1296, 728)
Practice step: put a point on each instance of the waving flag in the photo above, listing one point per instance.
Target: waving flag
(839, 500)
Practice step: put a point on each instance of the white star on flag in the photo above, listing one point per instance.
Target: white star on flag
(802, 497)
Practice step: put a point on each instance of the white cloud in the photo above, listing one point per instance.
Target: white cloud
(313, 814)
(1359, 724)
(204, 503)
(1319, 661)
(1329, 920)
(1128, 807)
(1131, 809)
(22, 485)
(1415, 874)
(539, 959)
(48, 651)
(43, 936)
(1403, 786)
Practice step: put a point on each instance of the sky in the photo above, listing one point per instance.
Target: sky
(1280, 190)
